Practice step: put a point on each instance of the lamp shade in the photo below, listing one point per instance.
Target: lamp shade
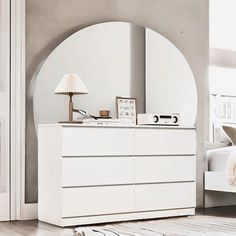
(71, 83)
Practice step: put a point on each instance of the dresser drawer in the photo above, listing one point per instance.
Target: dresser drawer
(150, 169)
(164, 141)
(97, 141)
(97, 200)
(87, 171)
(152, 197)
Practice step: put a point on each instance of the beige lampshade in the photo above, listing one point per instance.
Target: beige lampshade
(71, 83)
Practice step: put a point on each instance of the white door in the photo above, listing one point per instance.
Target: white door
(4, 109)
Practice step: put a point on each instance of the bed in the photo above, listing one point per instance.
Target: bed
(218, 161)
(216, 178)
(222, 151)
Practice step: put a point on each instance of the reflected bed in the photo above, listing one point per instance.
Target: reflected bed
(216, 176)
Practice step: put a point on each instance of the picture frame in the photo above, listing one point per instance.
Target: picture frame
(126, 110)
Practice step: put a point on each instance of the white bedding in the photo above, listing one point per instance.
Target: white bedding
(217, 158)
(223, 160)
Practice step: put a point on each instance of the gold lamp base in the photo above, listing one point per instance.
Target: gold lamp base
(71, 109)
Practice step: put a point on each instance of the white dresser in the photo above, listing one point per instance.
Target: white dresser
(94, 174)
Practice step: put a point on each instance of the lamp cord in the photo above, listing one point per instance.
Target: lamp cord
(84, 113)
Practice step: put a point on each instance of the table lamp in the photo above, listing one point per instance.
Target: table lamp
(71, 84)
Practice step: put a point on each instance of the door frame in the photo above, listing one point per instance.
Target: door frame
(5, 121)
(19, 209)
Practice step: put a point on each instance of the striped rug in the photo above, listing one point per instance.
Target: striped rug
(184, 226)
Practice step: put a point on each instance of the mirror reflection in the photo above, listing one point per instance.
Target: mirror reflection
(117, 59)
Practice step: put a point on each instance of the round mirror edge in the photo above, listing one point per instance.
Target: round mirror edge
(110, 21)
(33, 82)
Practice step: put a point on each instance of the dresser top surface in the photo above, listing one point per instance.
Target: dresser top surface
(74, 125)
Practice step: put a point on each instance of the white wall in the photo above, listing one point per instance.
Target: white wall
(222, 24)
(222, 80)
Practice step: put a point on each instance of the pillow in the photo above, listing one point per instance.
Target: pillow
(220, 136)
(231, 133)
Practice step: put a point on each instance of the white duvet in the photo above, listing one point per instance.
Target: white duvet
(223, 160)
(231, 167)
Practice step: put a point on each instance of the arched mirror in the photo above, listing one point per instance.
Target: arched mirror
(117, 59)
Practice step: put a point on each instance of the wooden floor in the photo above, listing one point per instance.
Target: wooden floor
(35, 228)
(32, 228)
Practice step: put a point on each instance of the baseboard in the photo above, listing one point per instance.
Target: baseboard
(29, 211)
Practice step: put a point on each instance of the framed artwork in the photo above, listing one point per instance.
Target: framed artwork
(126, 110)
